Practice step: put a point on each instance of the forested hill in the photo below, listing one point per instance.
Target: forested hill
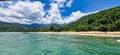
(107, 20)
(15, 27)
(11, 27)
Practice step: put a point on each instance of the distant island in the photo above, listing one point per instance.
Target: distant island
(105, 21)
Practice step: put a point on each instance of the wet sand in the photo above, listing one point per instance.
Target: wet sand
(89, 33)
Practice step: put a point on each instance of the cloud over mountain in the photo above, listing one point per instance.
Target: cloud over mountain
(27, 12)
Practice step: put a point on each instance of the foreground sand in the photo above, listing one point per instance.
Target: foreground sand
(89, 33)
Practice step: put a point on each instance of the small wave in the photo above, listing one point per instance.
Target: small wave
(118, 40)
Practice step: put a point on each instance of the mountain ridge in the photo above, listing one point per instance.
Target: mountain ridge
(106, 20)
(5, 26)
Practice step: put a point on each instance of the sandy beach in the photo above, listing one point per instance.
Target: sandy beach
(89, 33)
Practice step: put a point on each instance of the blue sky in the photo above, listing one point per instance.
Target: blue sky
(86, 5)
(51, 11)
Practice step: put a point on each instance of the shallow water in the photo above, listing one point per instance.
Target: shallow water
(51, 44)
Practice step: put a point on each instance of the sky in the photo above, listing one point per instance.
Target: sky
(51, 11)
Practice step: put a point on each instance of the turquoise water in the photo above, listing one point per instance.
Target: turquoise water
(51, 44)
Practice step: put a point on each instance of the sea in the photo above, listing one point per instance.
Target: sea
(35, 43)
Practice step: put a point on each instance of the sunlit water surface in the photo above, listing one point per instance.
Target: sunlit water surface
(51, 44)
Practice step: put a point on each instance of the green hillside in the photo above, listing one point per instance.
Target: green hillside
(10, 27)
(15, 27)
(107, 20)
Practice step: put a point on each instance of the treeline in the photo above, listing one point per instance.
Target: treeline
(107, 20)
(12, 27)
(50, 29)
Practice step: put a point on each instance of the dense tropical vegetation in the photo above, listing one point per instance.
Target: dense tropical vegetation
(106, 20)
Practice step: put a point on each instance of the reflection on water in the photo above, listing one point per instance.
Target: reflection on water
(49, 44)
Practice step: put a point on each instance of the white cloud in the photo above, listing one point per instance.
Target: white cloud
(5, 3)
(60, 3)
(74, 16)
(33, 12)
(54, 15)
(22, 12)
(69, 4)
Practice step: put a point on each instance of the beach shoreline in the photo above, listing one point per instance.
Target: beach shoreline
(89, 33)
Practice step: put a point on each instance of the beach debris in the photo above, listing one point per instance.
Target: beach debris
(25, 33)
